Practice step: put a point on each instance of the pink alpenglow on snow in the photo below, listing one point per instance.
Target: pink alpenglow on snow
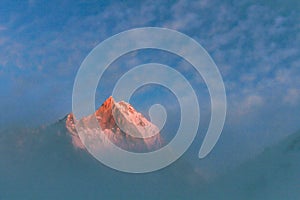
(136, 132)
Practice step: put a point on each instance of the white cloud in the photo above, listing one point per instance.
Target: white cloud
(248, 77)
(292, 96)
(250, 103)
(255, 64)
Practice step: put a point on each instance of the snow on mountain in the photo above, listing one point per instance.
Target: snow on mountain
(121, 124)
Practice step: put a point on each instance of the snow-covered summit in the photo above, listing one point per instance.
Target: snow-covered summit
(122, 125)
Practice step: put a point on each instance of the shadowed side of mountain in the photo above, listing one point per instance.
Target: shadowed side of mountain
(44, 164)
(274, 174)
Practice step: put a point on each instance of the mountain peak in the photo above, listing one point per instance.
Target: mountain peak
(122, 125)
(109, 100)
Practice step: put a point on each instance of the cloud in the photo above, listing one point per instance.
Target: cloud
(292, 96)
(254, 45)
(250, 103)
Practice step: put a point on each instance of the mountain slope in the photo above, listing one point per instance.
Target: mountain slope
(117, 120)
(44, 164)
(275, 174)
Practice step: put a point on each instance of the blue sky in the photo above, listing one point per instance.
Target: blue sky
(255, 44)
